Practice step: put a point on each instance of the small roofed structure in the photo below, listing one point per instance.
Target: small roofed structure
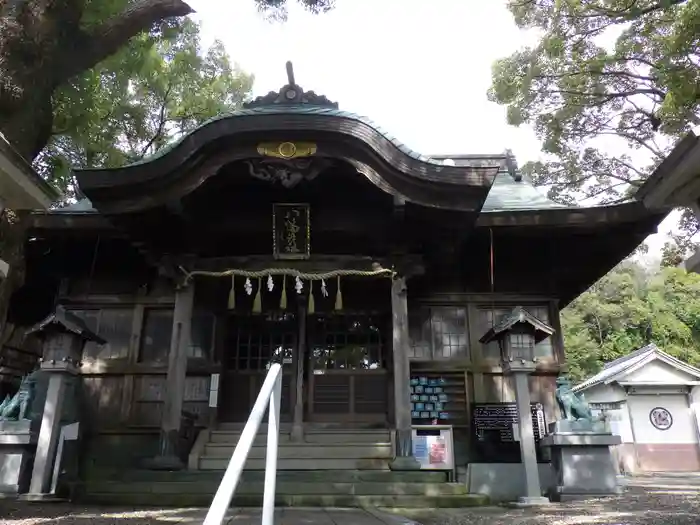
(64, 335)
(517, 334)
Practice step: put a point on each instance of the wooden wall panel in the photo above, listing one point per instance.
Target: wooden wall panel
(149, 396)
(103, 399)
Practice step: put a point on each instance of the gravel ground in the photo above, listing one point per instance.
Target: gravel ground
(646, 502)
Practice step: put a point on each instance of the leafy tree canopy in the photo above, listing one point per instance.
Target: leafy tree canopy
(603, 72)
(628, 309)
(149, 93)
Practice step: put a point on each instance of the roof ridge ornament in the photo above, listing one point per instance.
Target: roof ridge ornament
(291, 95)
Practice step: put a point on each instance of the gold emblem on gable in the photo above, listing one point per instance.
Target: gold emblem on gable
(287, 150)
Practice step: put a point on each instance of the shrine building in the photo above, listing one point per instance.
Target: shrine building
(297, 232)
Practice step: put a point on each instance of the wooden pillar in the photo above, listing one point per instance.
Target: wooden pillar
(404, 459)
(299, 357)
(175, 382)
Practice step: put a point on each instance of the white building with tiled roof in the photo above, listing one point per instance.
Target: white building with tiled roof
(652, 401)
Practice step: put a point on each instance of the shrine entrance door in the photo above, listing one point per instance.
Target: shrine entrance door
(346, 369)
(252, 342)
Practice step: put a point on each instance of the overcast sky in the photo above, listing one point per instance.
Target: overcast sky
(419, 69)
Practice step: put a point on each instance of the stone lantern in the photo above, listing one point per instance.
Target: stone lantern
(517, 334)
(63, 336)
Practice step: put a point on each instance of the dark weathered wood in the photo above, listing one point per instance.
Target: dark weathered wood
(177, 370)
(400, 342)
(300, 357)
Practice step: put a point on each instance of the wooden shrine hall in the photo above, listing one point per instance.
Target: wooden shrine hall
(292, 231)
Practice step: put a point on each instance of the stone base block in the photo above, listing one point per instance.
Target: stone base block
(17, 448)
(503, 481)
(562, 494)
(583, 465)
(525, 503)
(579, 426)
(42, 498)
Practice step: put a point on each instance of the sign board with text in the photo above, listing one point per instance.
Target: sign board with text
(433, 447)
(291, 225)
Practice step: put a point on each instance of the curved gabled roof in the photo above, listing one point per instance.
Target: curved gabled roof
(289, 115)
(305, 109)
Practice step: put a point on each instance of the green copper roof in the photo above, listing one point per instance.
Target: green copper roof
(507, 194)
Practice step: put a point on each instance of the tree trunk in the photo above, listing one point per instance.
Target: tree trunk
(42, 46)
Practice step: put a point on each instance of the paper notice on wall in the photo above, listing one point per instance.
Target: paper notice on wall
(420, 448)
(438, 452)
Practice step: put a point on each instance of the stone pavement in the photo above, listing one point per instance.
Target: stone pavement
(653, 500)
(17, 513)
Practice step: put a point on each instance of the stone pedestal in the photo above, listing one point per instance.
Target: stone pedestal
(17, 447)
(582, 461)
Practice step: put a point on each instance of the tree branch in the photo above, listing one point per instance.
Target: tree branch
(104, 40)
(161, 123)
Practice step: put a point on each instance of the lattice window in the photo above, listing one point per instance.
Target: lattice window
(438, 333)
(491, 350)
(114, 325)
(257, 340)
(350, 342)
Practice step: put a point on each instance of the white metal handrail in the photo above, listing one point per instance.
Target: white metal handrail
(270, 393)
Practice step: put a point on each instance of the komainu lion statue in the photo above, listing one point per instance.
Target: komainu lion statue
(573, 406)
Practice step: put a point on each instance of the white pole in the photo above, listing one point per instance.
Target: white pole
(273, 423)
(222, 498)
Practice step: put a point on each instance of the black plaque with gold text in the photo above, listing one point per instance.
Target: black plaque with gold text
(291, 225)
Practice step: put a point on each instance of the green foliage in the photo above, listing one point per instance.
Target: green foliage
(159, 86)
(276, 10)
(641, 89)
(629, 308)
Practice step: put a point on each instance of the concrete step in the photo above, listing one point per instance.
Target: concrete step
(290, 500)
(307, 450)
(289, 463)
(319, 437)
(283, 488)
(128, 477)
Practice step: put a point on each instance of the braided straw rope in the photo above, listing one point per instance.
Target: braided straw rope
(383, 272)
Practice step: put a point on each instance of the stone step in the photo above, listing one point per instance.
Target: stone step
(284, 463)
(283, 488)
(290, 500)
(318, 437)
(307, 450)
(308, 476)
